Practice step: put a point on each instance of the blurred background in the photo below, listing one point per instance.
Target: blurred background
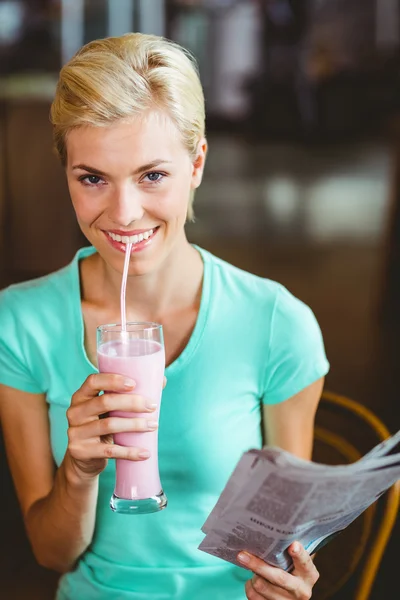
(302, 185)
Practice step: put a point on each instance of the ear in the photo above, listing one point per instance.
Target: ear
(198, 163)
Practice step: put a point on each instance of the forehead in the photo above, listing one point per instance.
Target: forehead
(135, 139)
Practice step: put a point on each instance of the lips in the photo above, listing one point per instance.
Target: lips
(130, 232)
(131, 238)
(139, 239)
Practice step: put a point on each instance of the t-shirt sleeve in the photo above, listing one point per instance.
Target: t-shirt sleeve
(296, 356)
(16, 369)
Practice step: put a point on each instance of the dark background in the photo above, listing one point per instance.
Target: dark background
(301, 184)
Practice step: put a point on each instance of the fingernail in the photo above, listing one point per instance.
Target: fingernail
(151, 406)
(295, 549)
(129, 383)
(244, 558)
(152, 424)
(144, 454)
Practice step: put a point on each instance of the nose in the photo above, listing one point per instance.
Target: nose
(125, 206)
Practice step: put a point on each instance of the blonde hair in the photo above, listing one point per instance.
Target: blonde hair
(119, 77)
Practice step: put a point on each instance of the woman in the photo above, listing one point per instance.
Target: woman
(245, 359)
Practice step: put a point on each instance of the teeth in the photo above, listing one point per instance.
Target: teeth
(132, 239)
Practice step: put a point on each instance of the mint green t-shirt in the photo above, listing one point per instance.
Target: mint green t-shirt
(253, 343)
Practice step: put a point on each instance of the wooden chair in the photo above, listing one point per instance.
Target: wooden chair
(345, 430)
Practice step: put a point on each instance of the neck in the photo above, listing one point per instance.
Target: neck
(175, 284)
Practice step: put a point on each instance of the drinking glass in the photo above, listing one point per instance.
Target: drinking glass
(138, 353)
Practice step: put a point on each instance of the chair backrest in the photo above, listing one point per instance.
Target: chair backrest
(345, 430)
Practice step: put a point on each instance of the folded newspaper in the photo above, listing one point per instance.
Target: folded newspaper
(274, 498)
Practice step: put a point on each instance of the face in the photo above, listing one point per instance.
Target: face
(131, 182)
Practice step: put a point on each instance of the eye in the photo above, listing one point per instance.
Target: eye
(154, 176)
(90, 180)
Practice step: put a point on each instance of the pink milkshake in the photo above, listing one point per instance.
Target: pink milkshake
(143, 361)
(135, 350)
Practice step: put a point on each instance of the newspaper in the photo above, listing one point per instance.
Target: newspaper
(274, 498)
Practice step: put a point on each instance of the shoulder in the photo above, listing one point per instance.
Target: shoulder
(241, 285)
(33, 310)
(291, 312)
(37, 296)
(33, 292)
(34, 317)
(259, 296)
(289, 323)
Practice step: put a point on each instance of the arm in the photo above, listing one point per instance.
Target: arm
(58, 507)
(290, 424)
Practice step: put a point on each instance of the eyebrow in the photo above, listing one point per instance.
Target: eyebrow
(147, 167)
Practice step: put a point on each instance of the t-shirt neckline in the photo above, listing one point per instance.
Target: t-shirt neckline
(198, 329)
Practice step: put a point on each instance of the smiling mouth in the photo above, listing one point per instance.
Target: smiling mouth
(132, 239)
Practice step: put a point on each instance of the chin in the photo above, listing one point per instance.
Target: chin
(143, 263)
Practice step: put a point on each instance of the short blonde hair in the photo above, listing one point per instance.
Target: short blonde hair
(119, 77)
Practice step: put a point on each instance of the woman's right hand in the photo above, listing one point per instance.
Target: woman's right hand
(90, 429)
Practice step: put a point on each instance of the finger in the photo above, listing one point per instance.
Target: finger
(100, 405)
(97, 382)
(110, 425)
(265, 589)
(99, 450)
(274, 575)
(251, 593)
(303, 564)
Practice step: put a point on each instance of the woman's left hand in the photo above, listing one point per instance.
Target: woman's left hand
(272, 583)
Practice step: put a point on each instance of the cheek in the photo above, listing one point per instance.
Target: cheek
(172, 203)
(86, 208)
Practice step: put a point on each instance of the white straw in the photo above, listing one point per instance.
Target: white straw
(123, 285)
